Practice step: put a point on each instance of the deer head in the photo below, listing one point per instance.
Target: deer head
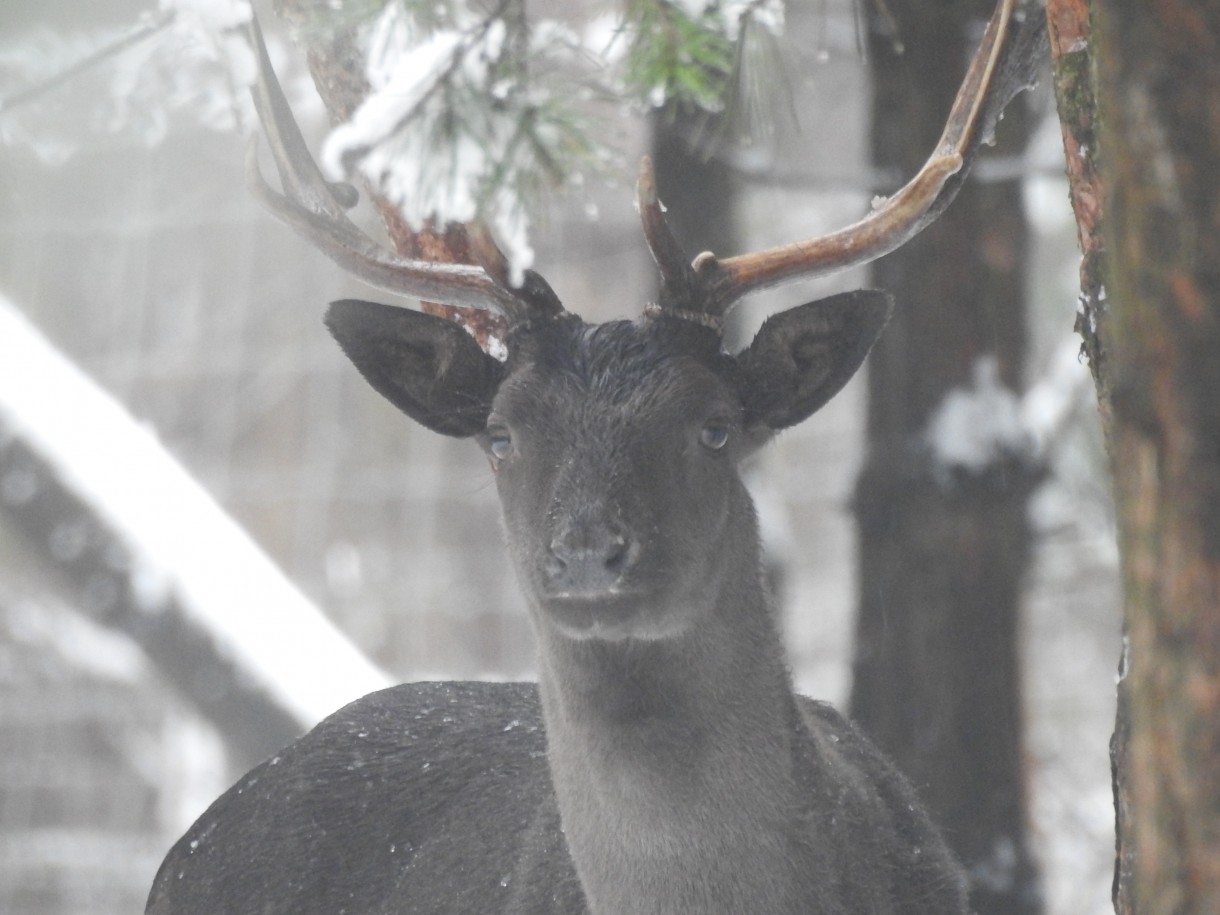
(615, 446)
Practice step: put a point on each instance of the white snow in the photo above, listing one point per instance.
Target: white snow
(976, 426)
(201, 63)
(214, 15)
(602, 37)
(1051, 401)
(693, 8)
(76, 639)
(987, 422)
(399, 84)
(769, 13)
(182, 541)
(497, 348)
(391, 139)
(190, 56)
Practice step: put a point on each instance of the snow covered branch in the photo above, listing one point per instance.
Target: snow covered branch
(188, 56)
(148, 551)
(459, 112)
(985, 425)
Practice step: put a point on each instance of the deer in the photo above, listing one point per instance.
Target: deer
(662, 763)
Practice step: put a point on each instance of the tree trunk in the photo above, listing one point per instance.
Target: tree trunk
(1158, 69)
(697, 187)
(943, 549)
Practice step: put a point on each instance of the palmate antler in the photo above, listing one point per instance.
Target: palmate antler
(703, 289)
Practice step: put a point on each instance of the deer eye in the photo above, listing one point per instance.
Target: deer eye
(714, 435)
(499, 443)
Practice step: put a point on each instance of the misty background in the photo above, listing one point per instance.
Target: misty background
(128, 238)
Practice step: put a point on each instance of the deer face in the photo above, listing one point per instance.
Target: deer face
(615, 447)
(615, 450)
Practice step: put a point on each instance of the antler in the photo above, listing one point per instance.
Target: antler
(703, 289)
(708, 287)
(315, 208)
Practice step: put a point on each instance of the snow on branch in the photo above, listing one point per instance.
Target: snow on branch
(987, 424)
(460, 123)
(976, 427)
(59, 88)
(152, 553)
(1049, 405)
(482, 114)
(472, 112)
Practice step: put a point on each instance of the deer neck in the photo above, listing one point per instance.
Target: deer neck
(673, 761)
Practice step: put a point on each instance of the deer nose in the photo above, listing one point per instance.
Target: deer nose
(589, 559)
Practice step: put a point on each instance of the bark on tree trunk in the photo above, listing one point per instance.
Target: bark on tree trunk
(1076, 98)
(1158, 69)
(942, 552)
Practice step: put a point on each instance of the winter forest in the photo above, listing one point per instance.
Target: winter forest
(997, 549)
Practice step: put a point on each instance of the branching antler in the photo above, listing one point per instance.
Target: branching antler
(315, 208)
(703, 289)
(1004, 64)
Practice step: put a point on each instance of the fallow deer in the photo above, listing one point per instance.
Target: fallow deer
(663, 762)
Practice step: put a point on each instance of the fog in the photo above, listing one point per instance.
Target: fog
(129, 243)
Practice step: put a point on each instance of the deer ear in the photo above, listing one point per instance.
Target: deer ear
(428, 367)
(803, 356)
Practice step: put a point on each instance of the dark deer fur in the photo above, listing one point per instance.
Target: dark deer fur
(663, 763)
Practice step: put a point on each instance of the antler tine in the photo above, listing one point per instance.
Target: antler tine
(310, 205)
(533, 289)
(679, 285)
(888, 226)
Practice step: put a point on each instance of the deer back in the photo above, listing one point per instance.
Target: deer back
(436, 799)
(426, 797)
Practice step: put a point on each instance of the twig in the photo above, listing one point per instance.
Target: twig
(145, 30)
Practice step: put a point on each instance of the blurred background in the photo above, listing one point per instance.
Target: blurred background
(128, 239)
